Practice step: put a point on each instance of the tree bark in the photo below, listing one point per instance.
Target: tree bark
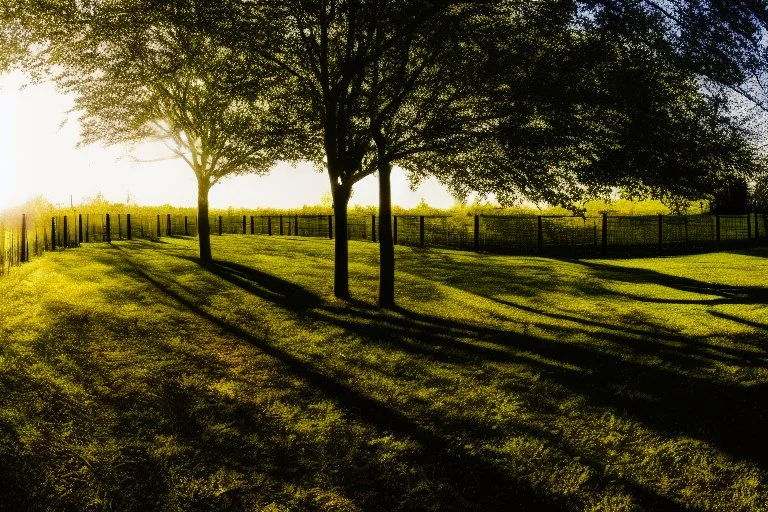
(203, 222)
(341, 196)
(386, 243)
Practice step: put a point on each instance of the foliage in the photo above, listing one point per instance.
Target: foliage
(591, 106)
(145, 70)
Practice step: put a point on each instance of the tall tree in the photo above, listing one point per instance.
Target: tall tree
(585, 105)
(425, 96)
(328, 51)
(147, 71)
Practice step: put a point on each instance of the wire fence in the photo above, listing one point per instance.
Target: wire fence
(607, 235)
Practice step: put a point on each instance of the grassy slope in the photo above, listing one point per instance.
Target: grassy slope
(132, 378)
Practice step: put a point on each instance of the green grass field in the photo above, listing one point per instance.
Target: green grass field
(132, 378)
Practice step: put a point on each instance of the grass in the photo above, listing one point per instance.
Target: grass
(132, 378)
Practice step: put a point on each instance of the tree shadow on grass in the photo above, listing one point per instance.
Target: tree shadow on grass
(727, 294)
(661, 396)
(666, 396)
(472, 482)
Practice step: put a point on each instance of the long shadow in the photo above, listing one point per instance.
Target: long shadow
(728, 294)
(262, 285)
(663, 398)
(654, 340)
(482, 485)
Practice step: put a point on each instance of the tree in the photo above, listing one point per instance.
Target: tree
(146, 71)
(424, 97)
(327, 52)
(585, 106)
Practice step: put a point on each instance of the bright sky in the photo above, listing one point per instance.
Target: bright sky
(38, 156)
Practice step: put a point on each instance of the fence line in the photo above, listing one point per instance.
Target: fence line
(606, 235)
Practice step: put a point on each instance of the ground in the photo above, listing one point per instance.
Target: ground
(133, 378)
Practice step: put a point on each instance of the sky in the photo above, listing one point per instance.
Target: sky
(39, 157)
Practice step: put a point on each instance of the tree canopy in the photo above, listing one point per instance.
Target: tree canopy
(142, 72)
(554, 100)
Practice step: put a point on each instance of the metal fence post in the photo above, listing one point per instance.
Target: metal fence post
(661, 234)
(109, 229)
(373, 228)
(330, 227)
(717, 229)
(253, 226)
(221, 225)
(477, 233)
(158, 226)
(757, 229)
(269, 226)
(244, 225)
(80, 229)
(66, 232)
(23, 237)
(128, 226)
(281, 225)
(605, 234)
(394, 229)
(421, 231)
(749, 227)
(186, 226)
(540, 234)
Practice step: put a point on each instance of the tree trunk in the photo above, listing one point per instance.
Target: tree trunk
(341, 196)
(386, 244)
(203, 222)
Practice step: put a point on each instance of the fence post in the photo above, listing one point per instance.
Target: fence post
(37, 251)
(661, 234)
(23, 236)
(158, 225)
(221, 225)
(119, 227)
(296, 225)
(477, 233)
(128, 225)
(186, 226)
(421, 231)
(245, 229)
(281, 225)
(373, 228)
(269, 226)
(253, 226)
(717, 229)
(749, 228)
(87, 224)
(540, 234)
(66, 233)
(80, 229)
(757, 229)
(330, 227)
(109, 229)
(604, 245)
(394, 229)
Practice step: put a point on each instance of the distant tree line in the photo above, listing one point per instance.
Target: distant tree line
(557, 101)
